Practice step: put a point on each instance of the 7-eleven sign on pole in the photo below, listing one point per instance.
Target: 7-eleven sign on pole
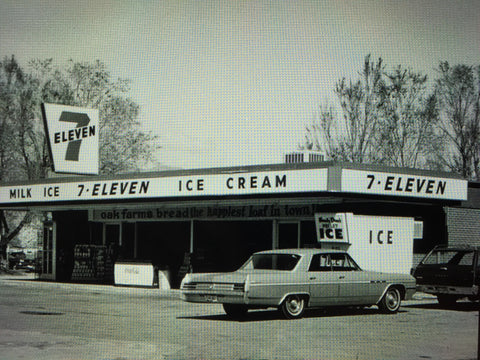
(73, 137)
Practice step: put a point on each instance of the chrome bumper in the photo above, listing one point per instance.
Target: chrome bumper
(198, 296)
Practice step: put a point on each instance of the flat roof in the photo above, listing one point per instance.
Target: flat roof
(59, 178)
(240, 181)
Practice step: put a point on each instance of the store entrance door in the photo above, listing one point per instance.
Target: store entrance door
(48, 254)
(288, 234)
(112, 239)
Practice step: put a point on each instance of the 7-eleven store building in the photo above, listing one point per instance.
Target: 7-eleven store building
(124, 228)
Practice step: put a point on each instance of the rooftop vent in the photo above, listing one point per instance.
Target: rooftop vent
(304, 157)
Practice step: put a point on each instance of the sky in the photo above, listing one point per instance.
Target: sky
(232, 83)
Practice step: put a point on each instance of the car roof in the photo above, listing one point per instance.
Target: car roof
(302, 252)
(456, 248)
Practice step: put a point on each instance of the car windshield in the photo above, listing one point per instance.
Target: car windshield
(285, 262)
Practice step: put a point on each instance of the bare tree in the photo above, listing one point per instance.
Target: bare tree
(350, 137)
(387, 117)
(408, 118)
(320, 134)
(458, 91)
(359, 104)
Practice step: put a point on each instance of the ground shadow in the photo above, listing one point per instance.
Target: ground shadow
(465, 306)
(275, 315)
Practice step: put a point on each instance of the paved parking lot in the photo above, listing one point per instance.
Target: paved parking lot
(42, 320)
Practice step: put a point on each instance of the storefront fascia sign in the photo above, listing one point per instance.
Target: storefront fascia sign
(332, 227)
(247, 183)
(393, 184)
(207, 212)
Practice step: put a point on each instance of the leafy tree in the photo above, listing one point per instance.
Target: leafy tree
(123, 146)
(458, 92)
(23, 146)
(23, 150)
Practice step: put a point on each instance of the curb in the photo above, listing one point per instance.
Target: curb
(19, 280)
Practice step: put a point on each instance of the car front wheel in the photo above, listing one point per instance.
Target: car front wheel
(293, 307)
(390, 302)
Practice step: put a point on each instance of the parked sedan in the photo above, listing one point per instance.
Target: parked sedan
(296, 279)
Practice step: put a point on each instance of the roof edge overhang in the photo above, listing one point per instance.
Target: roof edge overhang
(237, 169)
(275, 180)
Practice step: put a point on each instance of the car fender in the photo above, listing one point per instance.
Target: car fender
(306, 294)
(400, 287)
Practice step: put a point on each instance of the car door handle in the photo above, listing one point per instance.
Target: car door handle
(341, 277)
(313, 278)
(443, 268)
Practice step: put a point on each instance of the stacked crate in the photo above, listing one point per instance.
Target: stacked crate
(92, 263)
(83, 268)
(109, 265)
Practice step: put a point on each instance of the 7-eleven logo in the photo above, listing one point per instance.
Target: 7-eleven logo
(73, 138)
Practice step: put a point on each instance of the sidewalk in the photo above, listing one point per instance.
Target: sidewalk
(31, 279)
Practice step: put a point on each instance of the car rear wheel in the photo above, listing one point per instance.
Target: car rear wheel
(293, 307)
(235, 311)
(391, 301)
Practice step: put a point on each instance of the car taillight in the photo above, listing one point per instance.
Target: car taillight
(185, 280)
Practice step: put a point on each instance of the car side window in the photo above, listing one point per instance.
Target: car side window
(320, 262)
(467, 259)
(342, 262)
(338, 262)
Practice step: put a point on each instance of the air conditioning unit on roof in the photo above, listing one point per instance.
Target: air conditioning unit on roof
(304, 156)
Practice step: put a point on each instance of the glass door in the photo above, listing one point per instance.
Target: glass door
(48, 251)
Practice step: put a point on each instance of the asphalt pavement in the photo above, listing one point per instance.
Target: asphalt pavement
(49, 320)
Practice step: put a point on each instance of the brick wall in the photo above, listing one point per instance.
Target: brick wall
(416, 259)
(463, 226)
